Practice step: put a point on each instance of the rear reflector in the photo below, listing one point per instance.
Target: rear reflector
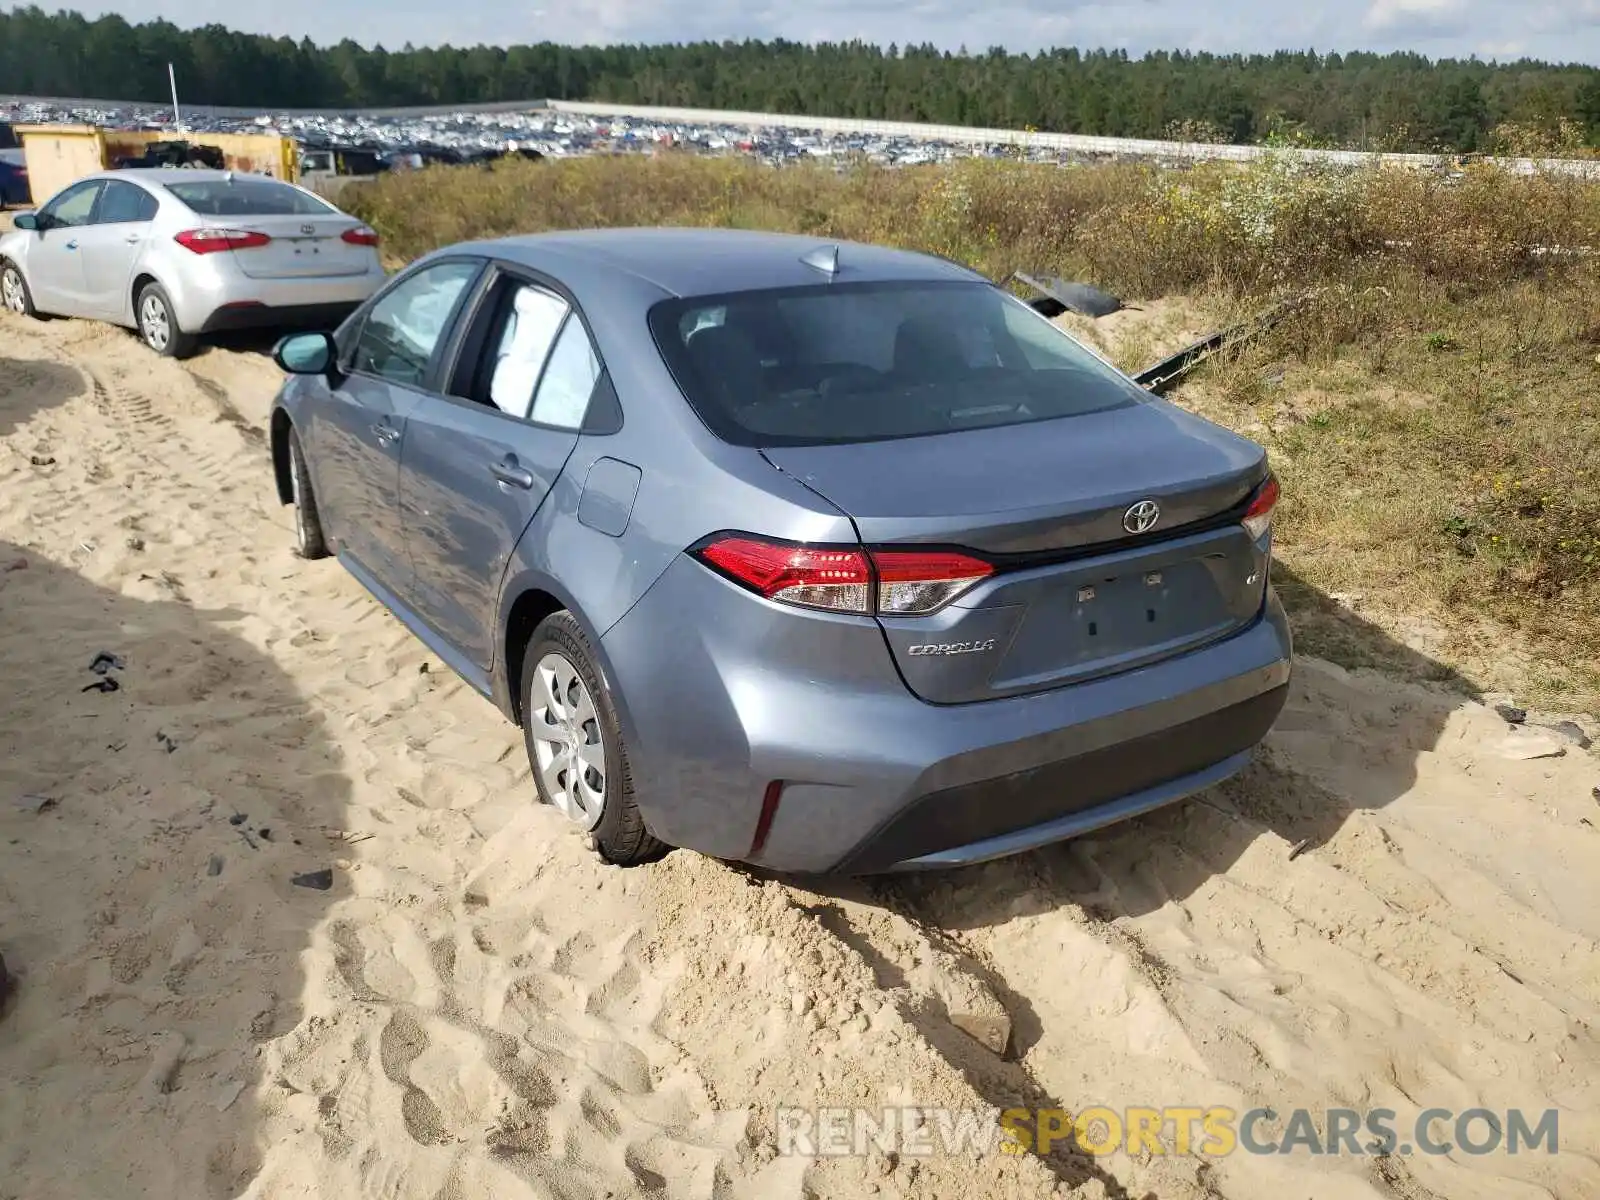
(885, 581)
(1258, 517)
(210, 241)
(360, 237)
(769, 812)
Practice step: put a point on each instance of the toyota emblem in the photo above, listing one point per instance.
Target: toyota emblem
(1141, 517)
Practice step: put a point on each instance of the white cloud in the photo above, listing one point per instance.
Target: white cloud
(1560, 30)
(1392, 14)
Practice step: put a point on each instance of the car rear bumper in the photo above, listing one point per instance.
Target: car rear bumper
(261, 316)
(877, 780)
(211, 296)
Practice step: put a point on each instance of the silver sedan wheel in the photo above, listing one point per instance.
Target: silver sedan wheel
(11, 290)
(568, 745)
(154, 323)
(295, 468)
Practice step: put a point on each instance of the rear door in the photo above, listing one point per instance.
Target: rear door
(479, 461)
(357, 427)
(111, 246)
(54, 264)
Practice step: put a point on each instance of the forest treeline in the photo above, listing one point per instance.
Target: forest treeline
(1371, 101)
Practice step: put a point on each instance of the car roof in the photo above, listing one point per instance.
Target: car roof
(698, 262)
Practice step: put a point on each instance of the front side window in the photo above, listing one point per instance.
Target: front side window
(249, 196)
(74, 206)
(860, 362)
(398, 339)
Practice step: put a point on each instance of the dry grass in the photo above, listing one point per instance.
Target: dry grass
(1432, 411)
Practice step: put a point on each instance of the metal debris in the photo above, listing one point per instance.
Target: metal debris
(1057, 295)
(1166, 374)
(105, 661)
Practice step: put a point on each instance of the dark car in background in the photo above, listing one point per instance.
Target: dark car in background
(820, 557)
(14, 178)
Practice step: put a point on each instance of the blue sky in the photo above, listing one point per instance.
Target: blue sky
(1566, 31)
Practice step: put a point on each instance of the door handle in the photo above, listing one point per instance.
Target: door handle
(507, 472)
(73, 244)
(386, 434)
(131, 239)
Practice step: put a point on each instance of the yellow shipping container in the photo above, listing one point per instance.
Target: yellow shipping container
(59, 154)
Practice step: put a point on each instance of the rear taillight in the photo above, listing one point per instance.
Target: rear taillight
(209, 241)
(1258, 517)
(886, 581)
(361, 236)
(919, 581)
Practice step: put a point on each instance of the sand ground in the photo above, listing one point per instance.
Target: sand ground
(475, 1008)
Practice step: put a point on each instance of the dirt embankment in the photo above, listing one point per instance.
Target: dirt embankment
(1388, 910)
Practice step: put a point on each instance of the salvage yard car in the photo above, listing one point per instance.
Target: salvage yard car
(823, 557)
(176, 253)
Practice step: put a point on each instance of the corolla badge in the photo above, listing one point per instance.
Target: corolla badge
(952, 647)
(1141, 517)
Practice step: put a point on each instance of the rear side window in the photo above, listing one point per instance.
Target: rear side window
(530, 329)
(248, 196)
(846, 362)
(568, 379)
(123, 203)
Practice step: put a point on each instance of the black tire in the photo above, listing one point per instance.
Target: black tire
(620, 838)
(20, 300)
(158, 325)
(309, 539)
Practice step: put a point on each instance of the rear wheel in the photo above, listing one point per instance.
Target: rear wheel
(14, 293)
(575, 745)
(158, 324)
(309, 539)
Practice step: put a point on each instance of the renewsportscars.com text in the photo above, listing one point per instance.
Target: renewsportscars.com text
(1209, 1131)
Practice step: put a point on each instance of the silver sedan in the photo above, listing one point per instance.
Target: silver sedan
(176, 253)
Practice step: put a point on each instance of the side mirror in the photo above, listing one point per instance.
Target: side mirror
(306, 353)
(26, 220)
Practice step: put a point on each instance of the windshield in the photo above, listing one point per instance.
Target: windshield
(864, 362)
(248, 196)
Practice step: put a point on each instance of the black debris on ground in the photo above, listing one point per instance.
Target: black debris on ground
(106, 661)
(1511, 714)
(319, 881)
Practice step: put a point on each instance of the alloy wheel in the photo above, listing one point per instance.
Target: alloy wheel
(569, 747)
(11, 292)
(154, 323)
(295, 467)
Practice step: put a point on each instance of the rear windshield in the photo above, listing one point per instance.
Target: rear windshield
(865, 362)
(248, 196)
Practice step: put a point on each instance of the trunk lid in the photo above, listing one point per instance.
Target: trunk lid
(1076, 594)
(302, 246)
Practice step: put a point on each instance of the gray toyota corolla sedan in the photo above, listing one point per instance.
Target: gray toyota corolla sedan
(821, 556)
